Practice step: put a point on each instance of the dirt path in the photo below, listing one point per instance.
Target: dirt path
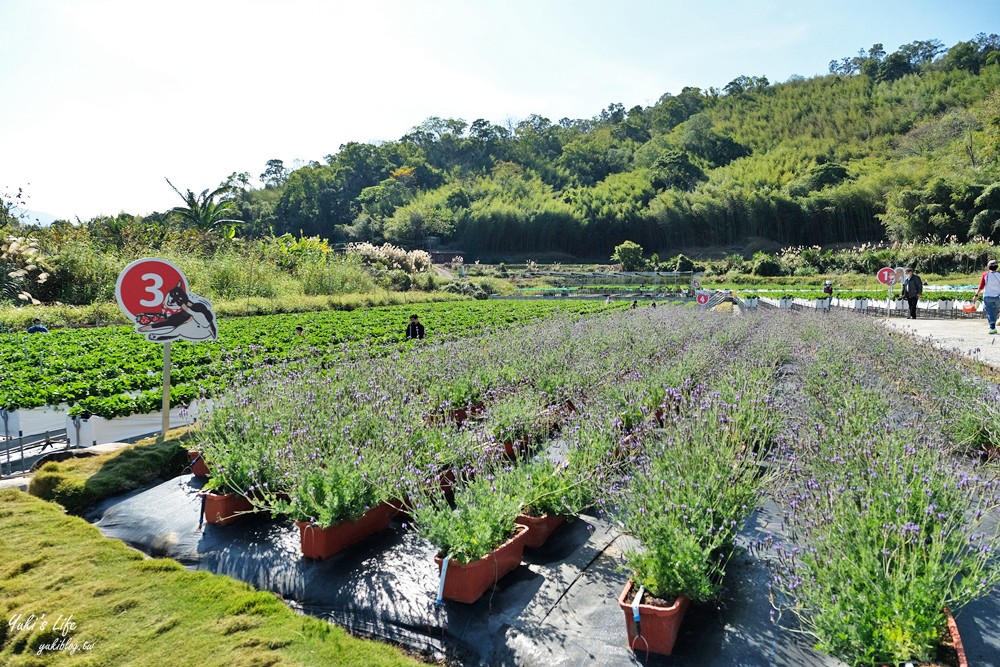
(968, 336)
(442, 272)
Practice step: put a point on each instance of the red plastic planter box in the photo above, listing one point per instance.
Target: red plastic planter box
(658, 626)
(198, 466)
(466, 582)
(956, 639)
(222, 509)
(319, 543)
(539, 528)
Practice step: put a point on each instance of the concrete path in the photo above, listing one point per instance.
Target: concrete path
(22, 481)
(967, 336)
(19, 483)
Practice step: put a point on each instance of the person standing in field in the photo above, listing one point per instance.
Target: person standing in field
(415, 330)
(913, 287)
(828, 294)
(36, 327)
(989, 285)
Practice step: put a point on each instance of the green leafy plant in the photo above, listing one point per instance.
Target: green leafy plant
(482, 519)
(687, 498)
(515, 418)
(328, 495)
(889, 546)
(546, 487)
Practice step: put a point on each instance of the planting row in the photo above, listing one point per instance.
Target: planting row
(675, 423)
(112, 372)
(886, 529)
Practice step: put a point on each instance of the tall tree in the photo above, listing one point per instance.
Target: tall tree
(275, 174)
(206, 211)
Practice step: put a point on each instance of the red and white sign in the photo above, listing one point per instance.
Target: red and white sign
(887, 275)
(695, 284)
(702, 298)
(153, 293)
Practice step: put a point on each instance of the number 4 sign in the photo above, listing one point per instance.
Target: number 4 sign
(153, 293)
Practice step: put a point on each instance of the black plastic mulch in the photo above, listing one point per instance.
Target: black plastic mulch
(558, 608)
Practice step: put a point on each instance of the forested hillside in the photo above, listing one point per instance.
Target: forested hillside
(901, 146)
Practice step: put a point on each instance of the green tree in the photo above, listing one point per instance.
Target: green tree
(674, 169)
(275, 174)
(670, 111)
(383, 199)
(308, 202)
(895, 66)
(9, 205)
(683, 263)
(206, 211)
(698, 137)
(964, 55)
(746, 84)
(766, 265)
(594, 156)
(922, 52)
(629, 255)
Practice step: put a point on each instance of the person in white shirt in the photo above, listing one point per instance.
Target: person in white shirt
(989, 285)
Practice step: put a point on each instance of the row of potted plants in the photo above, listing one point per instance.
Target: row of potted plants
(887, 531)
(675, 432)
(340, 484)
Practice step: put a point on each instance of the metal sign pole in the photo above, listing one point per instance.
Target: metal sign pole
(166, 392)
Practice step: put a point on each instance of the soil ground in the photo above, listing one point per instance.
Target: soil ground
(966, 336)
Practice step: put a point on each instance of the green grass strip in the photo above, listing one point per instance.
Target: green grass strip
(133, 610)
(80, 483)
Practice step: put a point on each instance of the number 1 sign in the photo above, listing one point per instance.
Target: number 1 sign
(886, 275)
(153, 293)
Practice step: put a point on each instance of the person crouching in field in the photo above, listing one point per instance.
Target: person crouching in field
(989, 285)
(415, 330)
(37, 327)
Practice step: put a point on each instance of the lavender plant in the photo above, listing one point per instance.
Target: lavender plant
(515, 418)
(883, 537)
(687, 498)
(883, 529)
(544, 486)
(331, 490)
(483, 517)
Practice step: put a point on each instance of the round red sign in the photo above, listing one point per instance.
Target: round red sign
(887, 275)
(144, 284)
(702, 299)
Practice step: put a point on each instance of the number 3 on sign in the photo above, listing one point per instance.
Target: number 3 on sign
(153, 289)
(144, 286)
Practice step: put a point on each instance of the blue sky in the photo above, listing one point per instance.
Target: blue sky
(104, 98)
